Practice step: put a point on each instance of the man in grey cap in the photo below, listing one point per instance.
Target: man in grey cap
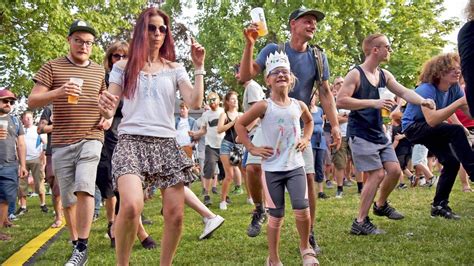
(73, 84)
(310, 66)
(12, 156)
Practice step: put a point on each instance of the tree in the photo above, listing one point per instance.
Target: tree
(412, 26)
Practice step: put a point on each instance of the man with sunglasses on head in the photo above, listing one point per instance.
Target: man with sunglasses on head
(12, 156)
(213, 142)
(77, 136)
(311, 69)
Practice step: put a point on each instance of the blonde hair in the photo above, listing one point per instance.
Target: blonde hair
(370, 42)
(434, 68)
(119, 46)
(470, 10)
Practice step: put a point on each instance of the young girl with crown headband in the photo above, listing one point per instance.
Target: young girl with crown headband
(282, 157)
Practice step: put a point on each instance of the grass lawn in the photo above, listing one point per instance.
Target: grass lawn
(417, 239)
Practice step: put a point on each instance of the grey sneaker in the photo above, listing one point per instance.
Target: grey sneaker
(339, 194)
(347, 183)
(365, 228)
(444, 211)
(78, 258)
(255, 226)
(314, 245)
(329, 184)
(387, 210)
(211, 225)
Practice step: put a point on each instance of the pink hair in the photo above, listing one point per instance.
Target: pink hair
(139, 47)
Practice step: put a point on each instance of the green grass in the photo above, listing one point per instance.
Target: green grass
(417, 239)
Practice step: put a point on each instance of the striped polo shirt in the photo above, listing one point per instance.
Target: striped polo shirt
(74, 122)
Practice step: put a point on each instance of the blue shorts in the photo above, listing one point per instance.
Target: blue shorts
(8, 182)
(226, 147)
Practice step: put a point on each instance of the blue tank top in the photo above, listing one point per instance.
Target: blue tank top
(367, 123)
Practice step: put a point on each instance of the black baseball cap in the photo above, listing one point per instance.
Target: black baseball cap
(303, 11)
(81, 25)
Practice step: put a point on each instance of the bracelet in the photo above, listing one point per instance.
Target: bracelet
(199, 72)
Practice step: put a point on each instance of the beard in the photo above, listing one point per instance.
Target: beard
(5, 110)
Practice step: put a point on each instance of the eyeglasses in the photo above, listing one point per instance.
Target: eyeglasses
(119, 56)
(11, 102)
(153, 28)
(387, 46)
(275, 72)
(80, 42)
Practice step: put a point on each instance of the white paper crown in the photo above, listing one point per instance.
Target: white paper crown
(276, 60)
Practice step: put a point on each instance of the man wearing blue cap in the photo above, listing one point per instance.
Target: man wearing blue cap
(310, 66)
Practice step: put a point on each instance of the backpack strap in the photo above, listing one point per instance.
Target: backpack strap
(318, 56)
(16, 121)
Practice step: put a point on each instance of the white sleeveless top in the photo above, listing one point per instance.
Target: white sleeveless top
(281, 130)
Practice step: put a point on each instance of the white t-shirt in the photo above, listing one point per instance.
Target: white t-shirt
(281, 130)
(343, 126)
(151, 111)
(182, 136)
(253, 93)
(34, 145)
(210, 119)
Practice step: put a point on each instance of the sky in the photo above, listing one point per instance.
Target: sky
(454, 8)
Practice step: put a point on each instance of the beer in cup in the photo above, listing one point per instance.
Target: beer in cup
(74, 99)
(4, 127)
(258, 17)
(385, 94)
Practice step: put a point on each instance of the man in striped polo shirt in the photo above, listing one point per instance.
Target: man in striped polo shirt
(77, 136)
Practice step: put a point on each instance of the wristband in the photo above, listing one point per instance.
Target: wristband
(199, 72)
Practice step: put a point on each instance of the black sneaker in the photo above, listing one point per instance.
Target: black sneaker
(207, 201)
(145, 220)
(445, 211)
(78, 258)
(365, 228)
(322, 195)
(402, 186)
(44, 208)
(214, 191)
(387, 210)
(228, 200)
(255, 226)
(314, 245)
(21, 211)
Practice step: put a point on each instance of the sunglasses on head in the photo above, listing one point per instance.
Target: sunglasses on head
(11, 102)
(119, 56)
(153, 28)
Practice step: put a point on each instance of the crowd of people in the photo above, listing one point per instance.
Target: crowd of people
(112, 128)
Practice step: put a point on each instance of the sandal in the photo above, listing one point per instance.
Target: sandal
(269, 263)
(109, 233)
(310, 257)
(467, 189)
(57, 224)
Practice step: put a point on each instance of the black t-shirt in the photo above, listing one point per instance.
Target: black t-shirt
(466, 52)
(46, 115)
(404, 145)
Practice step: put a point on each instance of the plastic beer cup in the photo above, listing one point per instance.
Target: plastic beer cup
(74, 99)
(258, 17)
(385, 94)
(4, 126)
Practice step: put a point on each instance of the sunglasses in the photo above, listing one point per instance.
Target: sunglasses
(212, 100)
(236, 69)
(11, 102)
(153, 28)
(119, 56)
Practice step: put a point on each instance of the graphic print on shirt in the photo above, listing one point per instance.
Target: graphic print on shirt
(286, 140)
(213, 123)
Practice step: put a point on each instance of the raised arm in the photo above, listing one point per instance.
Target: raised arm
(194, 94)
(409, 95)
(344, 98)
(434, 117)
(248, 67)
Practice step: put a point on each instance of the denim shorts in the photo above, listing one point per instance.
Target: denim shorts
(8, 182)
(75, 167)
(226, 147)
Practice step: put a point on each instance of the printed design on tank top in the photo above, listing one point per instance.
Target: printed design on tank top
(289, 140)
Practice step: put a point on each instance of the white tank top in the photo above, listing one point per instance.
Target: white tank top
(281, 130)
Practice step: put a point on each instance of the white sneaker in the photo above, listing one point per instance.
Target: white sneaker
(422, 182)
(250, 201)
(223, 205)
(211, 225)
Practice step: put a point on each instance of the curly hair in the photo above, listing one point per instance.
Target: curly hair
(434, 68)
(470, 10)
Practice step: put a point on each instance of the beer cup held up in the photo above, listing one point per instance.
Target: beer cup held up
(258, 17)
(74, 99)
(4, 127)
(384, 93)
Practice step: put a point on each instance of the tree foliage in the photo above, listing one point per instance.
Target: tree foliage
(33, 32)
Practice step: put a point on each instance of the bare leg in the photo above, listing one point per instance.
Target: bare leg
(273, 237)
(229, 174)
(173, 211)
(192, 201)
(127, 220)
(374, 178)
(70, 216)
(389, 182)
(254, 173)
(464, 180)
(311, 197)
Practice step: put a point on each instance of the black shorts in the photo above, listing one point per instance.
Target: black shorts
(403, 159)
(104, 180)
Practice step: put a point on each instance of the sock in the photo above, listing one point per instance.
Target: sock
(360, 186)
(43, 204)
(237, 187)
(74, 242)
(81, 244)
(259, 207)
(340, 188)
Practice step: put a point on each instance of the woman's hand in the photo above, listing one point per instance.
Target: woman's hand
(107, 104)
(198, 54)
